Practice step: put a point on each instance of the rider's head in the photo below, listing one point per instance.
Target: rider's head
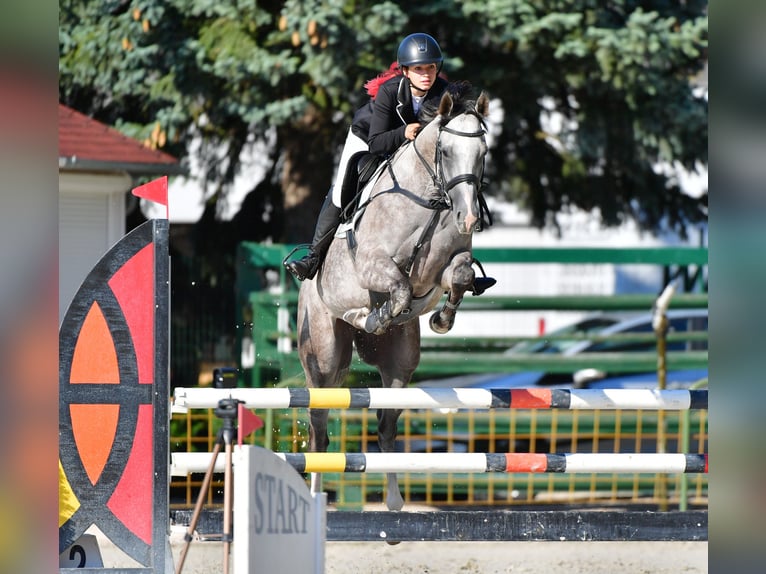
(419, 48)
(420, 58)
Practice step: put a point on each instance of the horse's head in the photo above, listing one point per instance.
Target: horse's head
(460, 149)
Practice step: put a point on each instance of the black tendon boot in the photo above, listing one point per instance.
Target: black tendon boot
(327, 222)
(481, 284)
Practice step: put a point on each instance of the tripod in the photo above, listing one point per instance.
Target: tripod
(227, 412)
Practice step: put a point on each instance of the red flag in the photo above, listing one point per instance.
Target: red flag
(248, 422)
(156, 191)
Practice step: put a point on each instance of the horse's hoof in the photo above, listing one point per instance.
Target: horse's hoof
(374, 326)
(379, 319)
(394, 502)
(437, 326)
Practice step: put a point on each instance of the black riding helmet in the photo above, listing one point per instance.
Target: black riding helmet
(419, 48)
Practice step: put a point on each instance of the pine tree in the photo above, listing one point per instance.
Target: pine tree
(617, 77)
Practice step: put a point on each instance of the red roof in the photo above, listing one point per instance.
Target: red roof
(86, 143)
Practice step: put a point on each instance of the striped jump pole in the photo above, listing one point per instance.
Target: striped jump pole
(445, 398)
(447, 462)
(496, 462)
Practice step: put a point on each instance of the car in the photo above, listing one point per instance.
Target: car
(590, 325)
(597, 328)
(675, 379)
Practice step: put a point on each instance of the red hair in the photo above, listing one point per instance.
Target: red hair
(372, 86)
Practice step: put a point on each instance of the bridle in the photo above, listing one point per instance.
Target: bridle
(437, 177)
(437, 171)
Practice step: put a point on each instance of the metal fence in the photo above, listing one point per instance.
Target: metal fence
(266, 299)
(475, 430)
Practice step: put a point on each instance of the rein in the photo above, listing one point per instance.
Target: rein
(436, 177)
(437, 171)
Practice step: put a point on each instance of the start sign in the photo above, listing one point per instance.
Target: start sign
(279, 524)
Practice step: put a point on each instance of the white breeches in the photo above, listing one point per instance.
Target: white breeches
(353, 145)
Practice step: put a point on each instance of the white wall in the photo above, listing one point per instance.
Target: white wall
(91, 220)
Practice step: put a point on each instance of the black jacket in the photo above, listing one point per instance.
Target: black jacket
(386, 117)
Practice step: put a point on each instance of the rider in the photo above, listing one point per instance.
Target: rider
(389, 119)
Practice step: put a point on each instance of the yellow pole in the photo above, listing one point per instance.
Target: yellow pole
(660, 325)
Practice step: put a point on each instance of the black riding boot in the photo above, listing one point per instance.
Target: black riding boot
(327, 222)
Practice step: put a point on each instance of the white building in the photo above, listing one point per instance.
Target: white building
(98, 167)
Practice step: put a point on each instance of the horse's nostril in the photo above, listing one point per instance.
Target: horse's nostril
(470, 222)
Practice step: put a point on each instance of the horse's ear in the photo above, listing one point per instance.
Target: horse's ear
(445, 105)
(482, 105)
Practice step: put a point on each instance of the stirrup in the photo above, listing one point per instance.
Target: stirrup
(294, 249)
(293, 266)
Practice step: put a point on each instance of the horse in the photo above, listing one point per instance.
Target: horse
(410, 246)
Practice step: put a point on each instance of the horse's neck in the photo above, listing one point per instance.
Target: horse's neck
(415, 159)
(411, 206)
(410, 185)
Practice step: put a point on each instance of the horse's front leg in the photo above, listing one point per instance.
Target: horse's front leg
(456, 280)
(380, 275)
(378, 272)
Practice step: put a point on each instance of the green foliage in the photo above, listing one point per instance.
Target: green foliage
(222, 70)
(615, 75)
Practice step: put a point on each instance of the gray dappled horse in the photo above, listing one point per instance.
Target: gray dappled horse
(411, 245)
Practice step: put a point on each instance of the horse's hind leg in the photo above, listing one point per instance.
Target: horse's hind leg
(456, 279)
(396, 355)
(324, 348)
(387, 423)
(318, 441)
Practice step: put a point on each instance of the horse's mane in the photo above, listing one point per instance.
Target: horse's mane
(463, 98)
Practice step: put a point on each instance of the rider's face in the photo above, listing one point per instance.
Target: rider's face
(421, 76)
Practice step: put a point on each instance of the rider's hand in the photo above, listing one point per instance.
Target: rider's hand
(411, 131)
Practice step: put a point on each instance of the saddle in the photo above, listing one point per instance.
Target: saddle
(362, 168)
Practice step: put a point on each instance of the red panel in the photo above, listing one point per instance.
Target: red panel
(132, 501)
(133, 285)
